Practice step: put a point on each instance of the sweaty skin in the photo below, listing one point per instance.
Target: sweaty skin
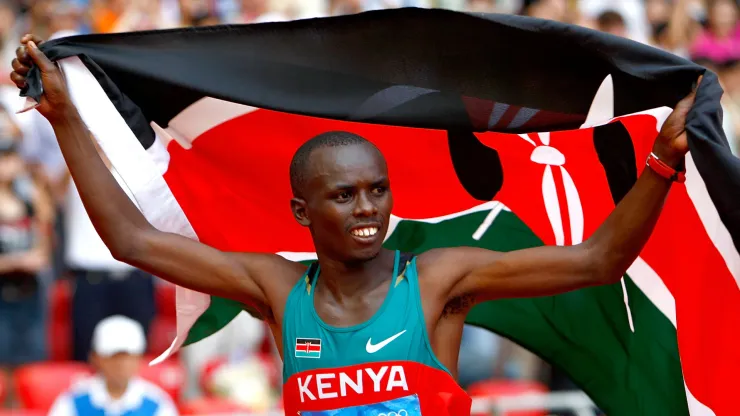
(348, 187)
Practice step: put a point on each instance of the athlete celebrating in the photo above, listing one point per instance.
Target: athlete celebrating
(363, 330)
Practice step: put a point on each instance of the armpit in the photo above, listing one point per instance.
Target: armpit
(458, 305)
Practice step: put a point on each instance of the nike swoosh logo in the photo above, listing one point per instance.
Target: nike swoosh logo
(371, 349)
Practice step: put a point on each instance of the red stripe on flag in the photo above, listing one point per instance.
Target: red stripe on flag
(479, 111)
(706, 294)
(707, 303)
(509, 115)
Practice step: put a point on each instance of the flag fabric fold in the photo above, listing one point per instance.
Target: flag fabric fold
(500, 131)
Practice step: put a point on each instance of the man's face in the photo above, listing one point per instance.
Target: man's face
(117, 369)
(348, 201)
(657, 11)
(723, 15)
(11, 165)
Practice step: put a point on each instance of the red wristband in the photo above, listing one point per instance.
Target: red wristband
(659, 167)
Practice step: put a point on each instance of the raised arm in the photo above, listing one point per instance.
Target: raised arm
(124, 230)
(478, 275)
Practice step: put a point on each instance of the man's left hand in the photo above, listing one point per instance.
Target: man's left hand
(672, 143)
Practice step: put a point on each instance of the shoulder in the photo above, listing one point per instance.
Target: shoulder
(63, 405)
(275, 271)
(276, 275)
(81, 386)
(153, 392)
(453, 261)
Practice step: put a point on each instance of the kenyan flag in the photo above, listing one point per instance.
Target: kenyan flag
(500, 132)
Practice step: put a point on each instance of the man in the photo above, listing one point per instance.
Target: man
(118, 345)
(363, 329)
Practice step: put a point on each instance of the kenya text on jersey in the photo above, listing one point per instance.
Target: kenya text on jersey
(334, 384)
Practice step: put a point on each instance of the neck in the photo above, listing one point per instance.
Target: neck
(115, 390)
(349, 280)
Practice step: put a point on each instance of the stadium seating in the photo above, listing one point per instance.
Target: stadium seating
(507, 388)
(4, 387)
(164, 296)
(162, 332)
(21, 412)
(39, 384)
(207, 372)
(164, 325)
(60, 321)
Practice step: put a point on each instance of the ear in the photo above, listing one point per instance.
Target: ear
(93, 359)
(298, 206)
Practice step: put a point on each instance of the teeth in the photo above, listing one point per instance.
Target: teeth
(365, 232)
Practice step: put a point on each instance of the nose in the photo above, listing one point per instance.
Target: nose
(364, 206)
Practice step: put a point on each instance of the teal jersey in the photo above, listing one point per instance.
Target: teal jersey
(389, 354)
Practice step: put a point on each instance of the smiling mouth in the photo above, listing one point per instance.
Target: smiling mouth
(365, 232)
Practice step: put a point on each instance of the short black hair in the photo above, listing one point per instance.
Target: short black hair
(329, 139)
(609, 19)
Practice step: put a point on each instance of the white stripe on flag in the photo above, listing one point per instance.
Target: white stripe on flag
(140, 175)
(715, 228)
(696, 408)
(203, 114)
(648, 281)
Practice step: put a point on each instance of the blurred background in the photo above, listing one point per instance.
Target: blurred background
(58, 280)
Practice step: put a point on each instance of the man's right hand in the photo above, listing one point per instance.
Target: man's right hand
(55, 101)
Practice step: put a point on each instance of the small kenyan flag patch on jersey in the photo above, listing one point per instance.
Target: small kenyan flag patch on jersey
(307, 348)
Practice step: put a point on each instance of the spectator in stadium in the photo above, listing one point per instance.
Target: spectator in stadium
(259, 11)
(118, 345)
(546, 9)
(8, 33)
(611, 22)
(103, 285)
(480, 6)
(205, 19)
(192, 11)
(632, 12)
(342, 7)
(718, 45)
(675, 30)
(26, 218)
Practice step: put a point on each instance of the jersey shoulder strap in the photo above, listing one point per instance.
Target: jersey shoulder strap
(405, 258)
(311, 272)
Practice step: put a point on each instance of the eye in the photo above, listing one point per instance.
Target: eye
(343, 196)
(380, 190)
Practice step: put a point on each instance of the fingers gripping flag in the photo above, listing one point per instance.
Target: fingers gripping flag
(500, 132)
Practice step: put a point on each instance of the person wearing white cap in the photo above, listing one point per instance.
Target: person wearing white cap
(117, 348)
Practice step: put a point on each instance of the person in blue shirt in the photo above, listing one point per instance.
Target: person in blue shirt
(118, 344)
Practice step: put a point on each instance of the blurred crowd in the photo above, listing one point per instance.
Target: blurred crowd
(48, 245)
